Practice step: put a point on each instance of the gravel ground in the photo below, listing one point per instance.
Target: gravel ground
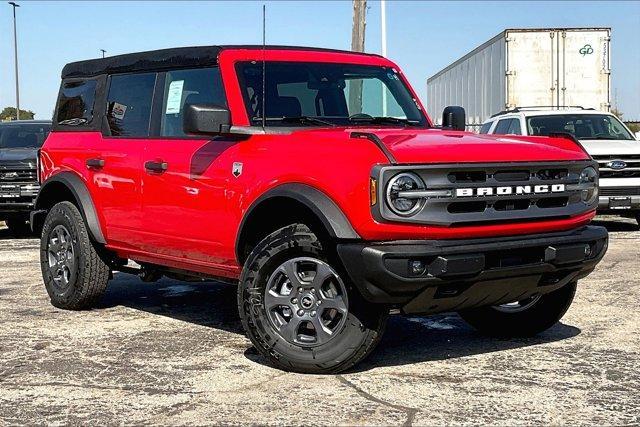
(174, 353)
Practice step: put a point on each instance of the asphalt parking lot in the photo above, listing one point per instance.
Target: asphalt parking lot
(174, 353)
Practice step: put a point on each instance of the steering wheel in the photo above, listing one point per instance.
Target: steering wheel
(361, 116)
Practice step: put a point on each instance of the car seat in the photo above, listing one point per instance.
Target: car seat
(283, 106)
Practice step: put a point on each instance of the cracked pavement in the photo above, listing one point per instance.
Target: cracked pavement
(174, 353)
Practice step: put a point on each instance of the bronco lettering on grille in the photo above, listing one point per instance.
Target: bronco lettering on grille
(510, 190)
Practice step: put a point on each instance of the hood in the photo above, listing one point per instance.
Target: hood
(603, 147)
(439, 146)
(26, 155)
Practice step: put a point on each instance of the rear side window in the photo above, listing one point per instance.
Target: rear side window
(75, 103)
(129, 104)
(485, 127)
(502, 128)
(183, 87)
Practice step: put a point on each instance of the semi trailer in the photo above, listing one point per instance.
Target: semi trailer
(551, 67)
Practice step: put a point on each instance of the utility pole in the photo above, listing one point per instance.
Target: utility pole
(103, 52)
(15, 52)
(359, 24)
(357, 45)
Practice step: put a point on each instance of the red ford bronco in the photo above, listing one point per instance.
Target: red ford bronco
(315, 180)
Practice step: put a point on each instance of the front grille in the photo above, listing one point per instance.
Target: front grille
(487, 193)
(18, 176)
(619, 191)
(631, 167)
(18, 172)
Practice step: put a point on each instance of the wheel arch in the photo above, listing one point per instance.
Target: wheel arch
(67, 186)
(291, 202)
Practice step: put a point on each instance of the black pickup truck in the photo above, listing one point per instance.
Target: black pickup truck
(19, 144)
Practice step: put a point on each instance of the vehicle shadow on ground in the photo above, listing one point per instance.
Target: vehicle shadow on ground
(6, 234)
(210, 304)
(410, 340)
(407, 339)
(616, 225)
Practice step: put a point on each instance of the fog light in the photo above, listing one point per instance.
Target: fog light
(587, 251)
(417, 267)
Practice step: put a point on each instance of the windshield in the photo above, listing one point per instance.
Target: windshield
(582, 126)
(23, 135)
(322, 94)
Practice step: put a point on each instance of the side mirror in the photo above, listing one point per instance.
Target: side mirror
(453, 118)
(206, 119)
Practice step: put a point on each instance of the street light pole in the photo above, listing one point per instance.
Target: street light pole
(103, 52)
(15, 52)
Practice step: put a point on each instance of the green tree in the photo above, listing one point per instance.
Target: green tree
(9, 113)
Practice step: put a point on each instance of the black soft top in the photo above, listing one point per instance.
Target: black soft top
(180, 57)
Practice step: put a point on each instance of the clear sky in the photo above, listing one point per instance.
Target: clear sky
(423, 37)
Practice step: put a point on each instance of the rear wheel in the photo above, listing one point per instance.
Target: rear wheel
(522, 318)
(74, 272)
(300, 311)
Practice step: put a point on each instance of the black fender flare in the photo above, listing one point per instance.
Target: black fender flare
(322, 206)
(82, 197)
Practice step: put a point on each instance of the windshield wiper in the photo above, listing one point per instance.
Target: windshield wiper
(297, 119)
(384, 119)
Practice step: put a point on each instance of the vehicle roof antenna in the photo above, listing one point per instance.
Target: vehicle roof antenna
(264, 67)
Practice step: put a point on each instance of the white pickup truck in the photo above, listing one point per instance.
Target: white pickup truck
(605, 138)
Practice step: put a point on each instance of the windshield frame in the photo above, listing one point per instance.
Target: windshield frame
(8, 125)
(423, 121)
(630, 135)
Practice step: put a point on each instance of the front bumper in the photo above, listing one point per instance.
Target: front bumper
(18, 197)
(460, 274)
(17, 207)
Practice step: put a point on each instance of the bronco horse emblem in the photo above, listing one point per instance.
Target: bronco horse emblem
(10, 175)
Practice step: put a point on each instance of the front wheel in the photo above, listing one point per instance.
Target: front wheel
(522, 318)
(300, 311)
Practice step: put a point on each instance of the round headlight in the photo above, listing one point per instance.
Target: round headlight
(404, 206)
(589, 176)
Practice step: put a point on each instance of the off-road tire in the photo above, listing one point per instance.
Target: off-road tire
(18, 226)
(92, 273)
(542, 315)
(363, 326)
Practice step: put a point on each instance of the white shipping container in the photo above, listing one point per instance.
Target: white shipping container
(552, 67)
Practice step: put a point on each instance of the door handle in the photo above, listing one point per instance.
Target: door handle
(95, 163)
(156, 166)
